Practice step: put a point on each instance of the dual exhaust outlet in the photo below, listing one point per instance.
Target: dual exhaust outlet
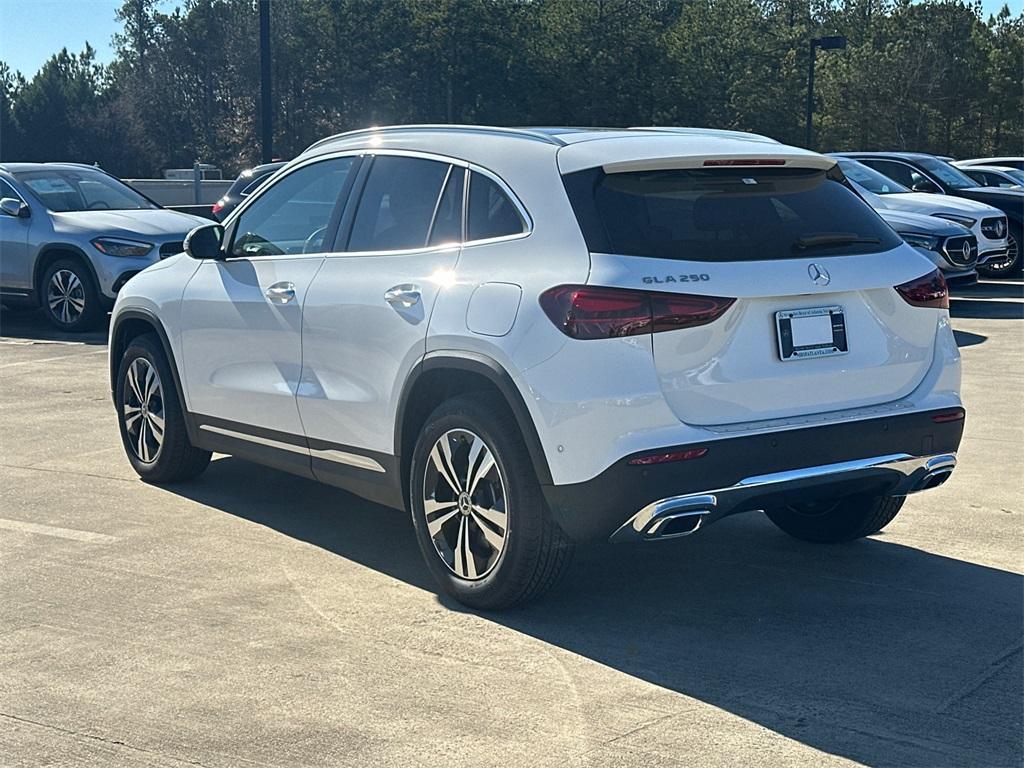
(679, 516)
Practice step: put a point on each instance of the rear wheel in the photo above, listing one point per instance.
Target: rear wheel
(69, 296)
(1011, 263)
(150, 416)
(838, 520)
(480, 518)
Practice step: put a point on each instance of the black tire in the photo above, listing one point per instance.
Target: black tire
(76, 308)
(831, 522)
(1012, 264)
(535, 553)
(175, 457)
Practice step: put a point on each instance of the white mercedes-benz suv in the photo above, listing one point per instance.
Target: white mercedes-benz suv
(533, 338)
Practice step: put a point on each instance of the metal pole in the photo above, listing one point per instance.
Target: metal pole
(809, 135)
(197, 183)
(266, 104)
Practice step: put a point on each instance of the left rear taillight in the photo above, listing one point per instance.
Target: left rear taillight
(592, 312)
(927, 291)
(217, 207)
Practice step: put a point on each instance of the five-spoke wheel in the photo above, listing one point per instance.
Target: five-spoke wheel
(465, 504)
(144, 410)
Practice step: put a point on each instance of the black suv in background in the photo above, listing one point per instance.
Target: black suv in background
(246, 183)
(927, 173)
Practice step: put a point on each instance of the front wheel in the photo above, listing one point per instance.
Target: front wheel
(150, 417)
(830, 522)
(480, 518)
(70, 298)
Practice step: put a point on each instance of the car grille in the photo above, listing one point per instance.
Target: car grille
(961, 251)
(170, 249)
(994, 228)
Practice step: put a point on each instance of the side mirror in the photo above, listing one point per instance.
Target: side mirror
(204, 242)
(9, 206)
(924, 186)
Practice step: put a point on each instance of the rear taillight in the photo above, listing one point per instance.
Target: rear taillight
(217, 207)
(588, 312)
(927, 291)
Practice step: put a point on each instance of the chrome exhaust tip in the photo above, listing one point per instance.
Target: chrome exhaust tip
(674, 526)
(667, 519)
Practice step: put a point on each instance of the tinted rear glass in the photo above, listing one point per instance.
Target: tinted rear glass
(725, 214)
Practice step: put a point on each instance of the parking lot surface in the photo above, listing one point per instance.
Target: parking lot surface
(254, 618)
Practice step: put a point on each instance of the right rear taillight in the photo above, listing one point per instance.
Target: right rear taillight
(590, 312)
(927, 291)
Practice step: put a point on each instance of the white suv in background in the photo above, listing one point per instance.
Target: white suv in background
(531, 338)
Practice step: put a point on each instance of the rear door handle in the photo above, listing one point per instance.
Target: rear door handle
(280, 293)
(405, 295)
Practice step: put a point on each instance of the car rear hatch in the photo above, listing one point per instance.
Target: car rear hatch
(770, 285)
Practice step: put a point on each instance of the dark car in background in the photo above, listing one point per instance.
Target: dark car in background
(247, 182)
(927, 173)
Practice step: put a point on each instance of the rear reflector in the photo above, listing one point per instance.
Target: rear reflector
(942, 418)
(664, 458)
(927, 291)
(590, 312)
(743, 161)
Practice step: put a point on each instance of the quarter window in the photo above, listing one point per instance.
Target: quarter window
(292, 216)
(397, 204)
(904, 174)
(491, 212)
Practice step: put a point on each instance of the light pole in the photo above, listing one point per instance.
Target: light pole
(829, 43)
(266, 104)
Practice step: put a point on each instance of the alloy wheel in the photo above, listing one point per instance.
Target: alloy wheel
(143, 406)
(465, 504)
(1004, 264)
(65, 296)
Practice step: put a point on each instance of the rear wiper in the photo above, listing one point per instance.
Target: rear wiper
(826, 239)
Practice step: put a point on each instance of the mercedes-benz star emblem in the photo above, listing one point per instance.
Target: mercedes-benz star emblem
(819, 274)
(967, 251)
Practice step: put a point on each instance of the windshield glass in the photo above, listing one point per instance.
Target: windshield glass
(62, 191)
(870, 179)
(946, 173)
(725, 214)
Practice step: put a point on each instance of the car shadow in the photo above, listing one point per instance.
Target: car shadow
(991, 289)
(986, 309)
(31, 325)
(874, 651)
(968, 339)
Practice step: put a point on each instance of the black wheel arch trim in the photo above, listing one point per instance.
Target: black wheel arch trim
(43, 255)
(492, 370)
(115, 359)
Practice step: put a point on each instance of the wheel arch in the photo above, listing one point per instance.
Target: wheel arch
(130, 324)
(445, 374)
(52, 252)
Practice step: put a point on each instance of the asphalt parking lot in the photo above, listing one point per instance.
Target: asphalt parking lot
(253, 618)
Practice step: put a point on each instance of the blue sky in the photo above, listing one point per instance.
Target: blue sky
(33, 30)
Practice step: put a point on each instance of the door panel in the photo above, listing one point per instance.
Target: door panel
(15, 269)
(241, 337)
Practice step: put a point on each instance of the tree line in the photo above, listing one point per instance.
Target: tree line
(932, 76)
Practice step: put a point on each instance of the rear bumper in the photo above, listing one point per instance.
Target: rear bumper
(882, 456)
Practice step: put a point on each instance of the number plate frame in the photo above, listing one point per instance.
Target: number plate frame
(784, 320)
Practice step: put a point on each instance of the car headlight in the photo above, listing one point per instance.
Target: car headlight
(964, 221)
(916, 239)
(113, 246)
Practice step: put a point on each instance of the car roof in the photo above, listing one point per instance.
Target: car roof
(974, 161)
(897, 155)
(576, 148)
(20, 167)
(992, 167)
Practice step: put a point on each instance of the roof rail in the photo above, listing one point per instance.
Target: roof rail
(520, 133)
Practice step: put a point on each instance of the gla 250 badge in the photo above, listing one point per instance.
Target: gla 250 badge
(701, 278)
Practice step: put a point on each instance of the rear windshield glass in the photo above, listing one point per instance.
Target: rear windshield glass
(725, 214)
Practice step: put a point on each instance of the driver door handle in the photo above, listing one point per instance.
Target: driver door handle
(280, 293)
(405, 295)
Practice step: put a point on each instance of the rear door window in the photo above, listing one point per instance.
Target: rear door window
(725, 214)
(491, 211)
(397, 204)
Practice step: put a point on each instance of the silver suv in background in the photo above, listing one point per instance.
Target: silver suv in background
(72, 235)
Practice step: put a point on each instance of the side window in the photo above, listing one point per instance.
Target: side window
(292, 215)
(397, 204)
(448, 220)
(491, 212)
(895, 171)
